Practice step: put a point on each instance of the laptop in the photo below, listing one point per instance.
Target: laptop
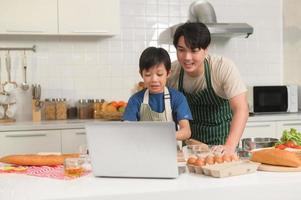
(133, 149)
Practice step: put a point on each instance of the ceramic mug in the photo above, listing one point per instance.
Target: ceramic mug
(4, 98)
(1, 112)
(11, 110)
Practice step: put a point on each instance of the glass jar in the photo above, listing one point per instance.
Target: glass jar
(61, 109)
(83, 109)
(50, 112)
(71, 110)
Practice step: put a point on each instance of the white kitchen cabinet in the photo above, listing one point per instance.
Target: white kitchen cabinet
(72, 139)
(36, 17)
(287, 125)
(93, 17)
(20, 142)
(260, 129)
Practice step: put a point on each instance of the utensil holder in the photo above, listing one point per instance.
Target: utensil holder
(36, 110)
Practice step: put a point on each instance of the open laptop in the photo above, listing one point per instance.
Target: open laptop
(133, 149)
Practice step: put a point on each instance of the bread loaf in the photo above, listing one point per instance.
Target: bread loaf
(37, 160)
(276, 157)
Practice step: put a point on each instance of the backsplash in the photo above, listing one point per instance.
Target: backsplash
(107, 67)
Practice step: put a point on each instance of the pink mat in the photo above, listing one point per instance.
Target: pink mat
(56, 172)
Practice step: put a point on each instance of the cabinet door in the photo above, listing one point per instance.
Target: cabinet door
(93, 17)
(287, 125)
(72, 140)
(260, 129)
(20, 142)
(28, 17)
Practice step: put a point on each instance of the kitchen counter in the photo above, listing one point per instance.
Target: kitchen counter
(259, 185)
(78, 124)
(45, 125)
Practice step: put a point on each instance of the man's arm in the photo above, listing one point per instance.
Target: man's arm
(240, 110)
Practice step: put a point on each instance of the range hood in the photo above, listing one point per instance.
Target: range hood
(203, 11)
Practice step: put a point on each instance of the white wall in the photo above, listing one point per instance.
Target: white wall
(96, 67)
(292, 41)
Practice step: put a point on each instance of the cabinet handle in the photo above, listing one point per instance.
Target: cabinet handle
(292, 124)
(24, 31)
(259, 125)
(96, 31)
(80, 133)
(26, 135)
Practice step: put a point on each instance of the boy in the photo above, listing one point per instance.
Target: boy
(157, 102)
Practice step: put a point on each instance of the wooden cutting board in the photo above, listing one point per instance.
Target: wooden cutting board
(273, 168)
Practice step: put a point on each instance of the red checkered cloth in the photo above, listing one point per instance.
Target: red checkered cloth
(56, 172)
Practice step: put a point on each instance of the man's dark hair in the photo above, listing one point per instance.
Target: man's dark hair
(196, 35)
(152, 56)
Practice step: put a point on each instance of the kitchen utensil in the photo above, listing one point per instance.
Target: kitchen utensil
(249, 144)
(202, 11)
(25, 85)
(9, 85)
(273, 168)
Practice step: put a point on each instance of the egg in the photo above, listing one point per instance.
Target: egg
(209, 160)
(199, 162)
(191, 160)
(218, 159)
(234, 157)
(227, 158)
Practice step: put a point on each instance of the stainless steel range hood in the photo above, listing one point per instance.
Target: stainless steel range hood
(203, 11)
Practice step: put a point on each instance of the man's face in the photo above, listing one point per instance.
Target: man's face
(155, 78)
(191, 59)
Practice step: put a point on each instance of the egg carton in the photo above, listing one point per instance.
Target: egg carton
(234, 168)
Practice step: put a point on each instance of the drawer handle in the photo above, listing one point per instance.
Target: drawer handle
(91, 31)
(80, 133)
(26, 135)
(292, 124)
(263, 125)
(24, 31)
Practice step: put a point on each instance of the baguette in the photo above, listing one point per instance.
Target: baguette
(276, 157)
(37, 160)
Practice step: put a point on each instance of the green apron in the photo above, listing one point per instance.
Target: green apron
(211, 114)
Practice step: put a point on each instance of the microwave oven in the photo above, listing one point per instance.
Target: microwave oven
(273, 99)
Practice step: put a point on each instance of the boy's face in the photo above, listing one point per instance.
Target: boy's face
(190, 59)
(155, 78)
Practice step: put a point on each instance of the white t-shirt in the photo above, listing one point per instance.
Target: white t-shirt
(225, 78)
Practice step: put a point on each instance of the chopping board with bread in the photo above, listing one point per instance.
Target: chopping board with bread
(284, 157)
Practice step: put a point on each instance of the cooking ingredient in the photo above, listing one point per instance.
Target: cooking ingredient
(227, 158)
(210, 160)
(291, 139)
(61, 109)
(276, 157)
(191, 160)
(199, 162)
(37, 160)
(234, 157)
(50, 110)
(218, 159)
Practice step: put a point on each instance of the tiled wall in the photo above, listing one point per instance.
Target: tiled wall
(291, 42)
(95, 67)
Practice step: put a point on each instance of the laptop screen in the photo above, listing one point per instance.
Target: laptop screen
(133, 149)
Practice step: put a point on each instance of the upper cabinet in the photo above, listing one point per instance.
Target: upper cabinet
(59, 17)
(93, 17)
(28, 17)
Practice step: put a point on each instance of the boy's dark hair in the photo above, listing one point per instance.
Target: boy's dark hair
(152, 56)
(196, 35)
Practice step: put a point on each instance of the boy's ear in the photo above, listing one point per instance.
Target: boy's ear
(168, 73)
